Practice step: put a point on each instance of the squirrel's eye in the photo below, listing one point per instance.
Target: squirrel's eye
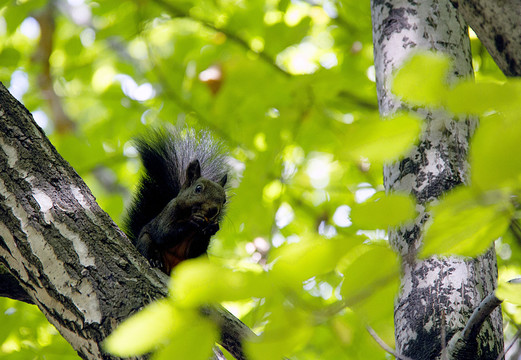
(198, 189)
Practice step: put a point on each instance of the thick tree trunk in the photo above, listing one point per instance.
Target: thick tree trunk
(497, 25)
(438, 294)
(65, 252)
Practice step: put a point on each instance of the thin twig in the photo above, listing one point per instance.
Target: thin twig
(384, 346)
(359, 100)
(512, 342)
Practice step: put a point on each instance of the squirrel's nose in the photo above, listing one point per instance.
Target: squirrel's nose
(212, 212)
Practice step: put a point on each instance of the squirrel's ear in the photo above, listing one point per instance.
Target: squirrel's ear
(193, 172)
(222, 182)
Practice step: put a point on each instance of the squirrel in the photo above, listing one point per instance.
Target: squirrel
(181, 196)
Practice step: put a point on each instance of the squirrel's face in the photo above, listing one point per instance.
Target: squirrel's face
(200, 200)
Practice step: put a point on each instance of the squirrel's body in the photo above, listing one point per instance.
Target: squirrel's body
(179, 202)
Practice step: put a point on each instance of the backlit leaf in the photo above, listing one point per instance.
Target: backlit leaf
(382, 140)
(194, 342)
(157, 321)
(382, 211)
(465, 223)
(510, 292)
(371, 282)
(214, 283)
(477, 98)
(287, 329)
(295, 263)
(494, 161)
(418, 86)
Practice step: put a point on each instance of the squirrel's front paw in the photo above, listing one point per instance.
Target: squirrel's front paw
(185, 230)
(211, 229)
(154, 259)
(155, 263)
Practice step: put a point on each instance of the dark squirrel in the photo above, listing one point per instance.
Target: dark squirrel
(180, 199)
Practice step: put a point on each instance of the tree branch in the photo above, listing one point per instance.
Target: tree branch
(498, 29)
(463, 343)
(232, 329)
(480, 314)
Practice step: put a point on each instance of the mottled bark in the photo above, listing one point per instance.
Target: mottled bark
(64, 250)
(438, 294)
(497, 25)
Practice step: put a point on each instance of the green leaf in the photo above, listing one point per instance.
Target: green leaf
(3, 3)
(510, 292)
(279, 36)
(16, 14)
(214, 283)
(382, 211)
(382, 140)
(183, 331)
(287, 329)
(465, 223)
(9, 57)
(375, 269)
(297, 262)
(158, 321)
(477, 98)
(193, 342)
(493, 156)
(417, 86)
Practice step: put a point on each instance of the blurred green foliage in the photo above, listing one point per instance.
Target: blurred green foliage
(289, 86)
(26, 334)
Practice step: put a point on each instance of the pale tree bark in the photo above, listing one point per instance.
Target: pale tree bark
(438, 295)
(64, 251)
(497, 25)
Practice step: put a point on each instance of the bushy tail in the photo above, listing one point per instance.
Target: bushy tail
(165, 155)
